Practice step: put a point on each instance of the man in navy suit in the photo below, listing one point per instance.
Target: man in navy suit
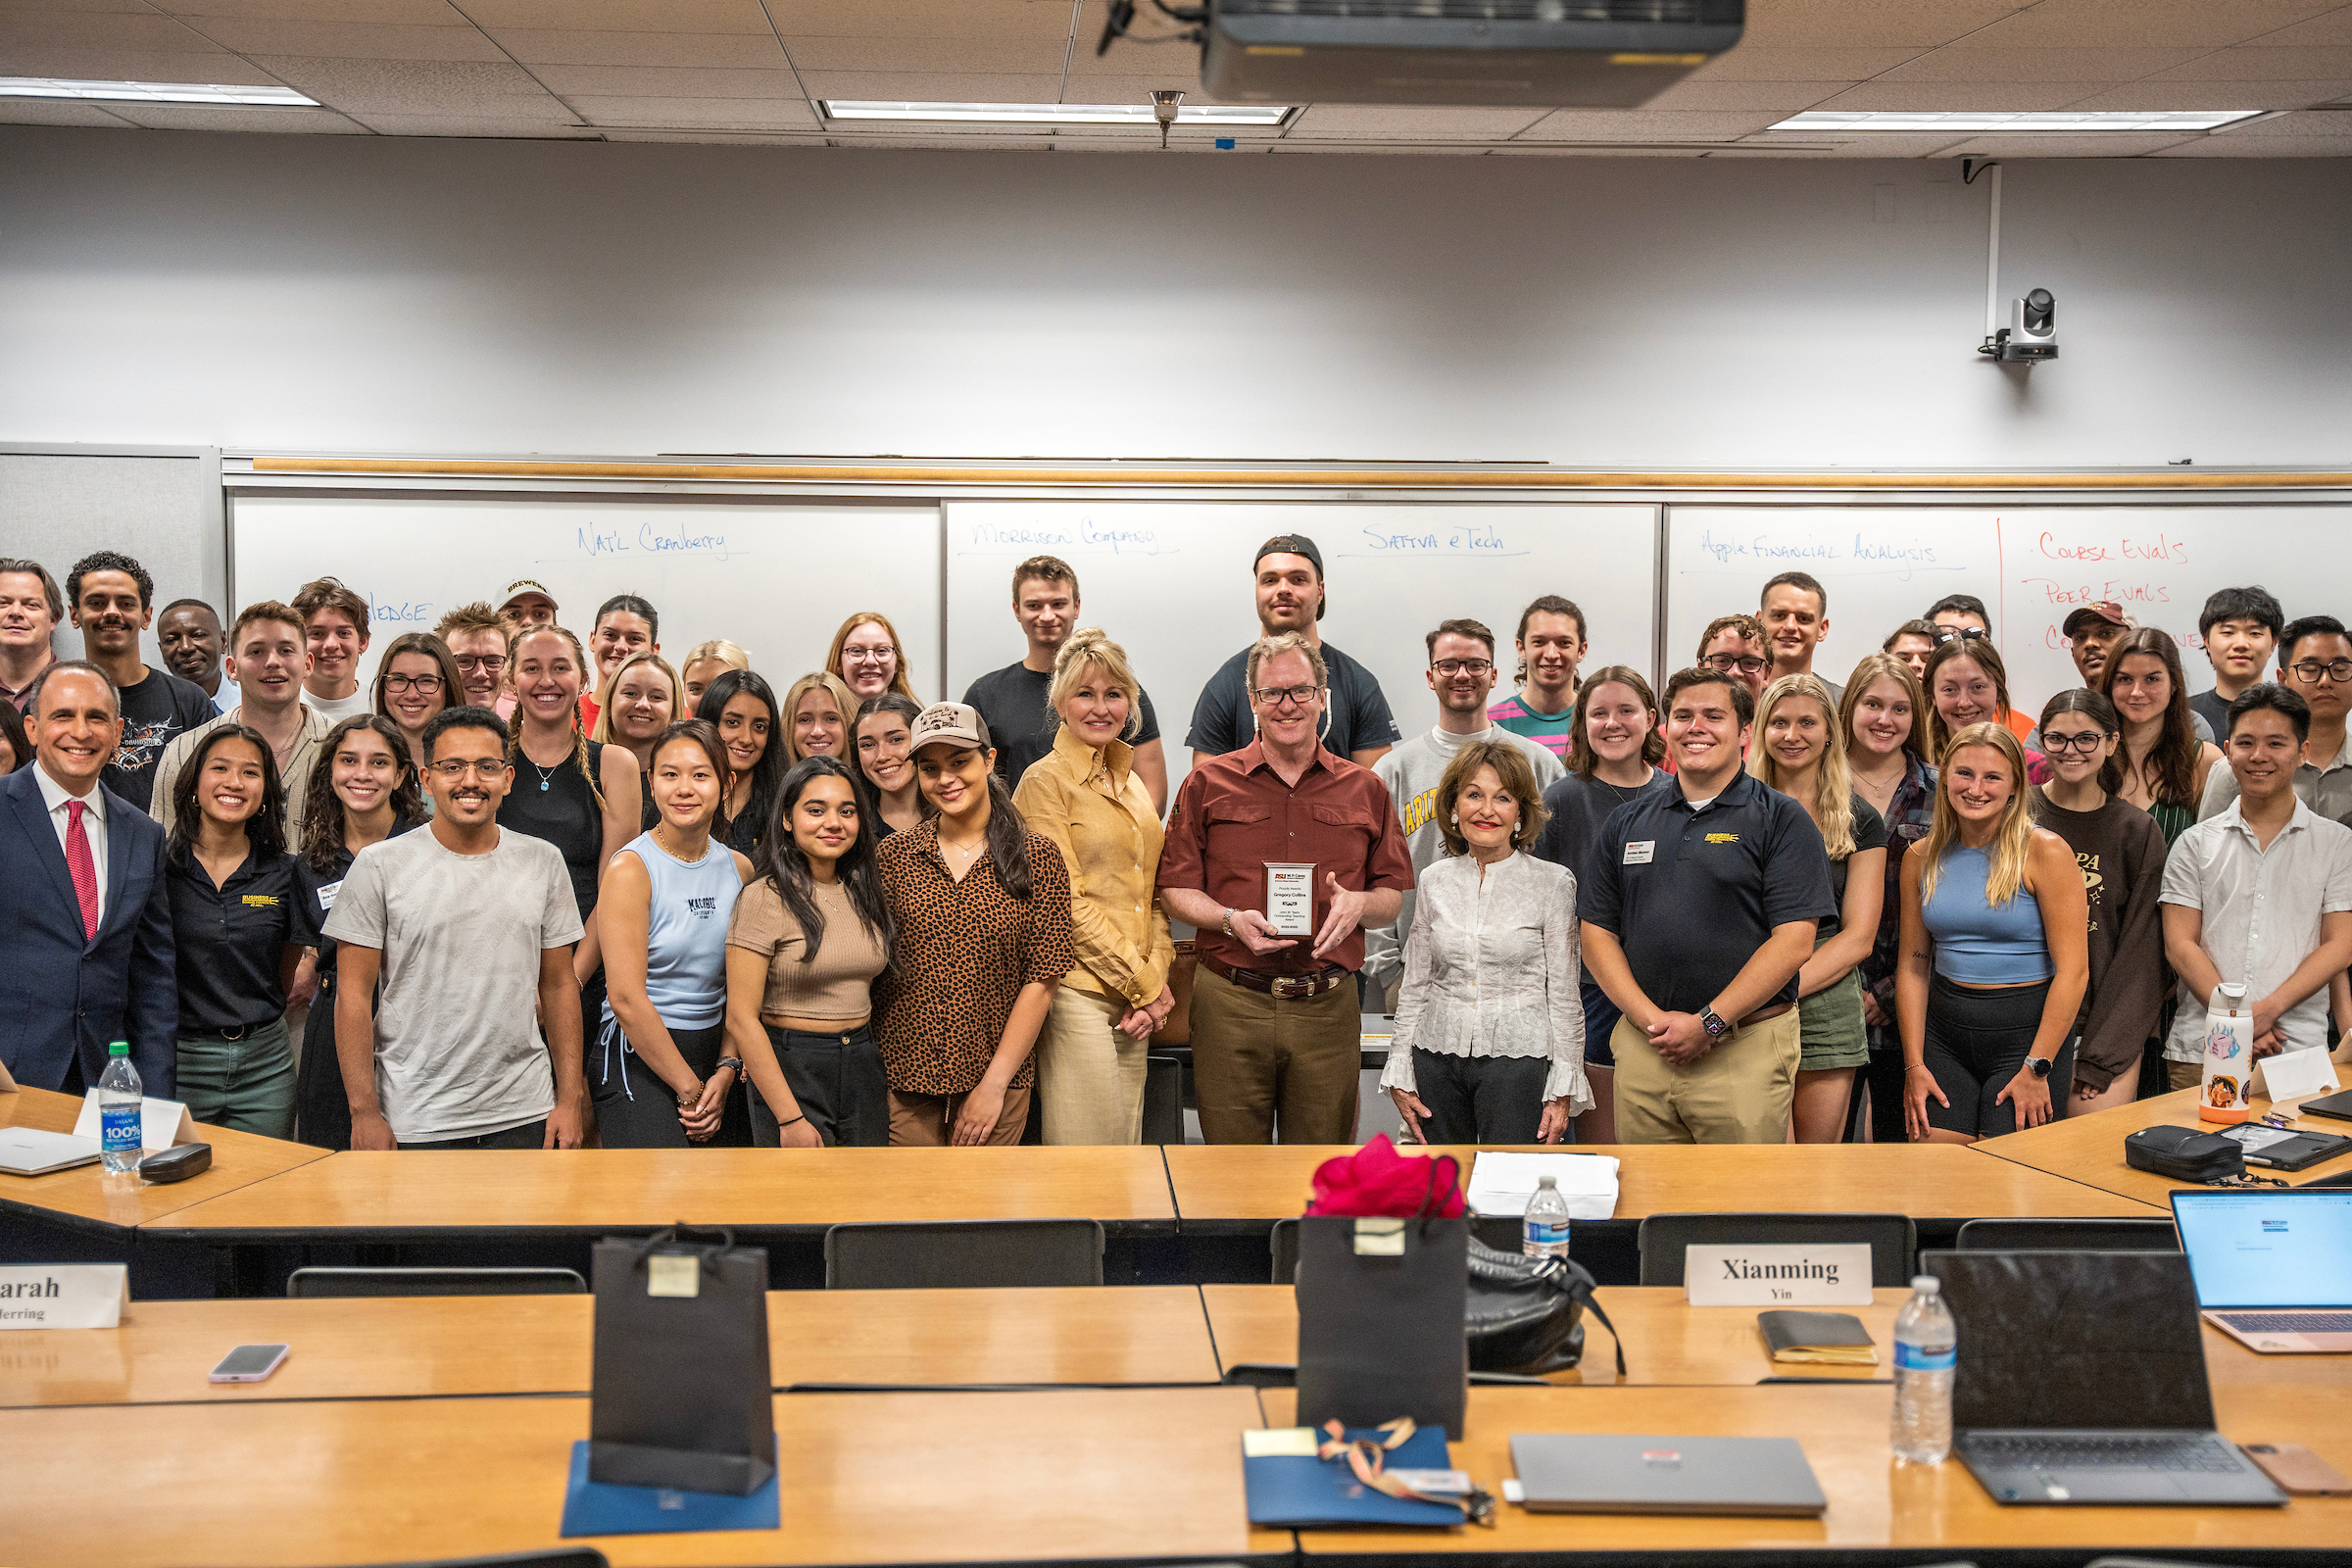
(85, 927)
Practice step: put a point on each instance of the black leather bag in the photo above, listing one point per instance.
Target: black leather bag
(680, 1396)
(2184, 1155)
(1380, 1332)
(1525, 1315)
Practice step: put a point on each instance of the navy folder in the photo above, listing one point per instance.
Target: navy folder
(1296, 1493)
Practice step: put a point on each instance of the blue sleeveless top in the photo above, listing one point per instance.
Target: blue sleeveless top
(1977, 945)
(686, 933)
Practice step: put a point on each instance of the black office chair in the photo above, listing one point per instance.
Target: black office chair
(957, 1253)
(1163, 1100)
(2068, 1236)
(1284, 1245)
(316, 1283)
(1893, 1240)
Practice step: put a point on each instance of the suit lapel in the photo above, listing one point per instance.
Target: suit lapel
(25, 795)
(119, 848)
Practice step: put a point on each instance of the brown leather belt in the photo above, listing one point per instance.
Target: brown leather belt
(1281, 987)
(1762, 1014)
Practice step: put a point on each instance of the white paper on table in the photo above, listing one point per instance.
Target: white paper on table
(2295, 1074)
(161, 1122)
(1502, 1183)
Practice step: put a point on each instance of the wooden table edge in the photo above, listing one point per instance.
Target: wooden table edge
(103, 1227)
(1988, 1146)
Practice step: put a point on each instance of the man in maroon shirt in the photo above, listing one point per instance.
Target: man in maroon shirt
(1276, 1038)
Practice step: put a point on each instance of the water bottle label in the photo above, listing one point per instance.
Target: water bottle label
(1548, 1233)
(119, 1126)
(1918, 1358)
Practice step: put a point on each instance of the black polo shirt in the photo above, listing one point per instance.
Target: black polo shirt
(1690, 895)
(1223, 721)
(227, 940)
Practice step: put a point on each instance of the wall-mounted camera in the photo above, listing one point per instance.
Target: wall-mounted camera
(2032, 334)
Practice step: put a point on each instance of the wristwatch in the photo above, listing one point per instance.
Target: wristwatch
(1713, 1023)
(2041, 1065)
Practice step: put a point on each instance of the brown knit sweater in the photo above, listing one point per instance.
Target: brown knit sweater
(2120, 851)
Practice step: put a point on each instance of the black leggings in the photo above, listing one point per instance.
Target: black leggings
(1975, 1042)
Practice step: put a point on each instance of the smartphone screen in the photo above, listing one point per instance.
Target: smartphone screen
(249, 1364)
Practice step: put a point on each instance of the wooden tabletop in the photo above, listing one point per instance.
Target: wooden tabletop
(1255, 1183)
(441, 1193)
(89, 1199)
(2090, 1149)
(509, 1345)
(1871, 1503)
(864, 1478)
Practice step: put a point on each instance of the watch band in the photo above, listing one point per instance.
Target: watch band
(2041, 1066)
(1712, 1021)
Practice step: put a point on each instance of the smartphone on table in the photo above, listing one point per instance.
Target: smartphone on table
(250, 1363)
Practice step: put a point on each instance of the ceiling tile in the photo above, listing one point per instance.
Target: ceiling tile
(2220, 147)
(944, 19)
(2327, 123)
(348, 40)
(133, 65)
(2116, 24)
(1871, 23)
(1968, 63)
(1643, 125)
(1525, 149)
(56, 112)
(618, 15)
(931, 88)
(712, 51)
(413, 87)
(215, 117)
(621, 82)
(2263, 65)
(2087, 144)
(1827, 64)
(525, 126)
(2334, 28)
(1935, 96)
(10, 6)
(389, 13)
(668, 113)
(925, 54)
(1883, 145)
(1379, 121)
(1107, 88)
(1786, 96)
(711, 136)
(2216, 94)
(93, 29)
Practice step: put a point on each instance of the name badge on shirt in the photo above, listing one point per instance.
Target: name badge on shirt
(1640, 852)
(326, 894)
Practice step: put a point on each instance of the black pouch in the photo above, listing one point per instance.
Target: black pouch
(680, 1395)
(1525, 1315)
(1380, 1319)
(2184, 1155)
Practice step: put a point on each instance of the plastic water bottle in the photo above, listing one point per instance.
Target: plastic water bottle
(119, 1138)
(1545, 1232)
(1926, 1352)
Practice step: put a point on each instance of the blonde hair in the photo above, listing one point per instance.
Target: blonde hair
(1512, 771)
(1874, 669)
(1986, 658)
(724, 652)
(1833, 802)
(579, 747)
(603, 699)
(1091, 647)
(2007, 852)
(898, 645)
(843, 699)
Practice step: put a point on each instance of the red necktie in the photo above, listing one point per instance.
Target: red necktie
(84, 870)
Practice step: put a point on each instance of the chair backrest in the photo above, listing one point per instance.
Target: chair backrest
(1892, 1239)
(1163, 1100)
(957, 1253)
(346, 1282)
(1284, 1245)
(2068, 1236)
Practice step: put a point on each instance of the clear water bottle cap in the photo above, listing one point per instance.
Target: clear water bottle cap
(120, 1048)
(1927, 1283)
(1543, 1182)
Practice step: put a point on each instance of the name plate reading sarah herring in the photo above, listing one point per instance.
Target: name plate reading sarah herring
(63, 1295)
(1728, 1274)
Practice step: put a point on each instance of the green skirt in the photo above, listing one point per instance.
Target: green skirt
(1830, 1029)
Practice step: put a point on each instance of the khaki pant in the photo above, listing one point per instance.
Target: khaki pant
(1739, 1092)
(929, 1121)
(1262, 1067)
(1089, 1075)
(2184, 1074)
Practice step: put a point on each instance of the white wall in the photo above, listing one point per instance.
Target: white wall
(382, 295)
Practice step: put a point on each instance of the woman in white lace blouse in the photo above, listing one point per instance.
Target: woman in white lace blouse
(1490, 1042)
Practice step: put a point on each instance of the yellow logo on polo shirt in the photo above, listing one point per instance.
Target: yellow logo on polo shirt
(260, 900)
(1723, 838)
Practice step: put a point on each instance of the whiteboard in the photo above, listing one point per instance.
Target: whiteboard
(2032, 566)
(1171, 581)
(777, 577)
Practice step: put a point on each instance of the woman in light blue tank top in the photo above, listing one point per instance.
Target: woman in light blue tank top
(1995, 953)
(655, 1064)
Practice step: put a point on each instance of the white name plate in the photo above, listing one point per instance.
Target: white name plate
(1777, 1275)
(161, 1122)
(63, 1295)
(2295, 1074)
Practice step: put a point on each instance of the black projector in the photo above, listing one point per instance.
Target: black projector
(1555, 54)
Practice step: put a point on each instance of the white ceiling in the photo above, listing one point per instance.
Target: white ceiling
(751, 71)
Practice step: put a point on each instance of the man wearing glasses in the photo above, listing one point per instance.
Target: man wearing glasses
(1461, 671)
(1281, 833)
(477, 640)
(2315, 663)
(269, 659)
(1736, 646)
(468, 928)
(1961, 616)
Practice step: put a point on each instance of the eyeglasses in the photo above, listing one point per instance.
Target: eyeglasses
(486, 768)
(1458, 666)
(1278, 696)
(868, 656)
(2310, 670)
(1946, 634)
(428, 685)
(1727, 664)
(488, 663)
(2086, 744)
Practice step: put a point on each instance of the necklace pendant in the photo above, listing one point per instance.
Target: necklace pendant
(542, 786)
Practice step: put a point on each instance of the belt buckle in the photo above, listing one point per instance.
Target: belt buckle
(1287, 987)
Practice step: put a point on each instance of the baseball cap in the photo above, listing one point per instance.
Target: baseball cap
(950, 722)
(1293, 544)
(2106, 612)
(525, 588)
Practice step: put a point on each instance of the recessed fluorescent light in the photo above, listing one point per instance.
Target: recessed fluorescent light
(1055, 114)
(2040, 120)
(152, 92)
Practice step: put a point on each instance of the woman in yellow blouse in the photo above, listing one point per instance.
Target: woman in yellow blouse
(1085, 797)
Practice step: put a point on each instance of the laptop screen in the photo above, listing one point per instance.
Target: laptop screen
(2276, 1248)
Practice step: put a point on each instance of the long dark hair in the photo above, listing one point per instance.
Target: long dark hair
(2100, 712)
(265, 828)
(1008, 831)
(323, 808)
(700, 733)
(1582, 758)
(780, 860)
(887, 702)
(11, 730)
(766, 773)
(453, 685)
(2172, 766)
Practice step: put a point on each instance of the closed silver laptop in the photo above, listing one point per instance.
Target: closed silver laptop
(27, 1151)
(1574, 1472)
(2274, 1269)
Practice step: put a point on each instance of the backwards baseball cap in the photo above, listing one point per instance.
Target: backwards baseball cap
(2106, 612)
(1293, 544)
(525, 588)
(950, 722)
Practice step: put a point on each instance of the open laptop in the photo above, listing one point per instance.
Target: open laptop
(2274, 1269)
(1574, 1472)
(27, 1151)
(2081, 1381)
